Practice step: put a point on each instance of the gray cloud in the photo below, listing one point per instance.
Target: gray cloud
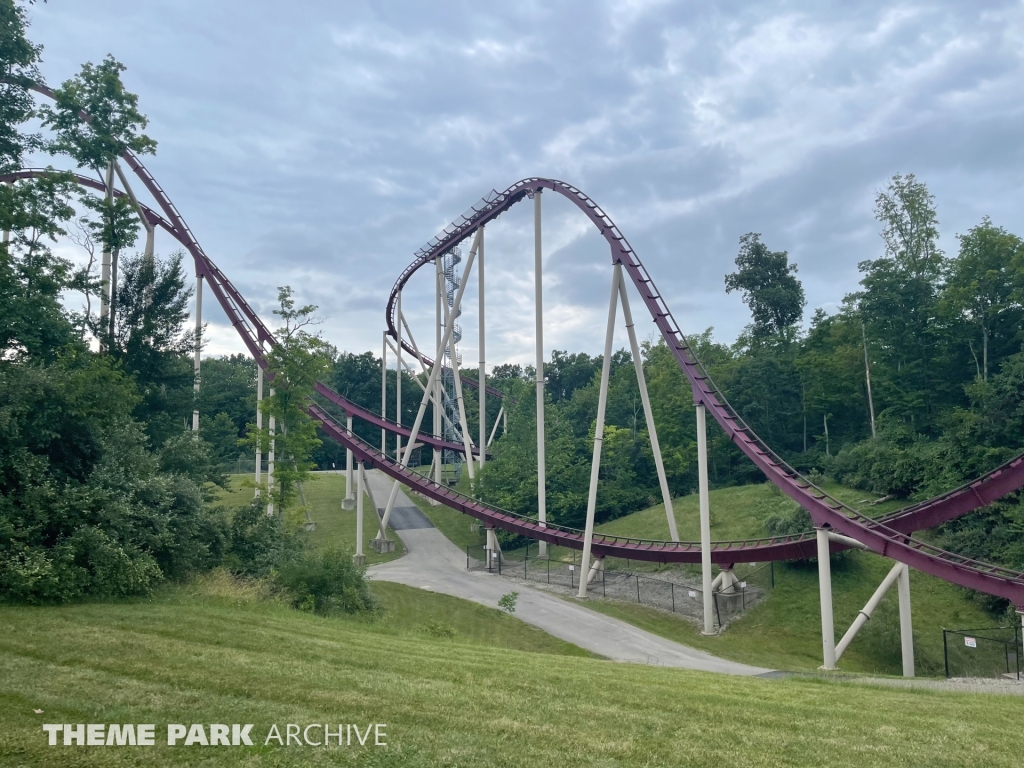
(320, 145)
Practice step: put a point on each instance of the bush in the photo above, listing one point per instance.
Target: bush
(326, 582)
(259, 542)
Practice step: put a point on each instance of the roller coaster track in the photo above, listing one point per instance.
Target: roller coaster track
(888, 536)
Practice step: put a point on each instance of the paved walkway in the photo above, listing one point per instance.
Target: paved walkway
(434, 563)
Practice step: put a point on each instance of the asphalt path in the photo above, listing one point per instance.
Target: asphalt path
(432, 562)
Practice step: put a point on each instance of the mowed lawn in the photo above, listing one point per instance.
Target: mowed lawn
(470, 700)
(335, 527)
(736, 513)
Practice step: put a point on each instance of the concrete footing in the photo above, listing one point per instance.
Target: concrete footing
(348, 503)
(382, 546)
(359, 559)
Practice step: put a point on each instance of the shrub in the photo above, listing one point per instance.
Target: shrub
(326, 582)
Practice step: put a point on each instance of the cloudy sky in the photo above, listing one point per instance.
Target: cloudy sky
(319, 144)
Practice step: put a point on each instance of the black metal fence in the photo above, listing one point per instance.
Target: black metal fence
(675, 590)
(989, 652)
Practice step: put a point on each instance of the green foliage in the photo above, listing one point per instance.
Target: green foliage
(18, 59)
(508, 602)
(294, 365)
(115, 122)
(766, 280)
(259, 542)
(326, 581)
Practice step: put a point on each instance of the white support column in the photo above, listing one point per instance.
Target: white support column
(641, 381)
(414, 433)
(595, 461)
(705, 520)
(538, 292)
(398, 374)
(483, 368)
(828, 632)
(384, 393)
(595, 570)
(199, 341)
(270, 463)
(438, 281)
(359, 558)
(259, 423)
(350, 496)
(906, 622)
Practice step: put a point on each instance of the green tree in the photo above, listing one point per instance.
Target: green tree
(295, 364)
(766, 280)
(899, 297)
(982, 290)
(18, 59)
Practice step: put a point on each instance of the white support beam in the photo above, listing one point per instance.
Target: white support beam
(483, 367)
(865, 613)
(199, 343)
(150, 229)
(259, 422)
(828, 631)
(705, 520)
(446, 336)
(350, 495)
(384, 392)
(270, 463)
(438, 456)
(906, 623)
(359, 558)
(398, 374)
(641, 381)
(494, 429)
(602, 402)
(538, 292)
(596, 569)
(838, 538)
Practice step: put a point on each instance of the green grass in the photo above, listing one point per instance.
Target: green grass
(457, 702)
(736, 513)
(335, 527)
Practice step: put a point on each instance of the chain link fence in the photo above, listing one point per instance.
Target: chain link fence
(989, 652)
(674, 590)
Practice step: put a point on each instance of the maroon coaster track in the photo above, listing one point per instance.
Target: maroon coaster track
(888, 535)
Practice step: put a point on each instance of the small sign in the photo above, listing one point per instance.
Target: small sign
(970, 642)
(572, 567)
(743, 585)
(693, 594)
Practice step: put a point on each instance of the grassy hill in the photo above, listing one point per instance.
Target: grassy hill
(783, 632)
(215, 654)
(324, 493)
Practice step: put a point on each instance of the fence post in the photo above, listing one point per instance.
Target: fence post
(467, 557)
(604, 591)
(718, 613)
(572, 572)
(945, 653)
(673, 588)
(549, 569)
(638, 589)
